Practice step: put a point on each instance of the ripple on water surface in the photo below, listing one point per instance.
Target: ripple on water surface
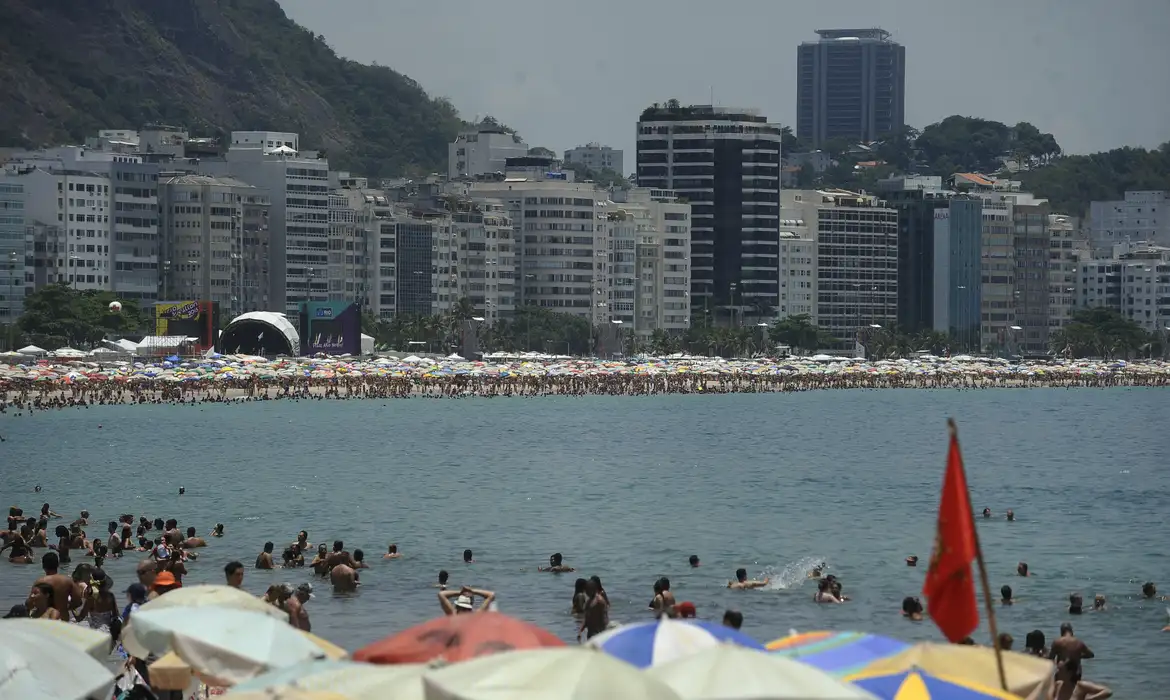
(628, 487)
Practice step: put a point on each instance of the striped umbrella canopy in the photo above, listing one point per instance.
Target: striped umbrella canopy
(919, 685)
(837, 653)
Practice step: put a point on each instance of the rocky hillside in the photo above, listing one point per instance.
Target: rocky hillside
(70, 67)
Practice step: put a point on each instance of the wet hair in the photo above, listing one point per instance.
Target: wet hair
(190, 532)
(231, 568)
(443, 575)
(1075, 603)
(1148, 589)
(112, 527)
(665, 583)
(50, 561)
(85, 513)
(1006, 592)
(61, 531)
(741, 574)
(1006, 641)
(733, 619)
(1066, 628)
(911, 605)
(1034, 640)
(579, 586)
(85, 571)
(47, 590)
(172, 524)
(358, 555)
(597, 582)
(657, 586)
(693, 559)
(268, 547)
(302, 533)
(158, 523)
(467, 555)
(556, 559)
(392, 549)
(338, 545)
(823, 585)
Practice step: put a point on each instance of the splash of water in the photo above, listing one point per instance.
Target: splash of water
(791, 575)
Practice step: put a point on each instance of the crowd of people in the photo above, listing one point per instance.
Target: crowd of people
(87, 594)
(27, 395)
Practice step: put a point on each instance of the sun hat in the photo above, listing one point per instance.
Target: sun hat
(463, 602)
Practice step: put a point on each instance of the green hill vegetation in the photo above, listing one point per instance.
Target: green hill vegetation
(69, 68)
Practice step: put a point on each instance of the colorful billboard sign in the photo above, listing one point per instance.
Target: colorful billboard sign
(331, 327)
(193, 319)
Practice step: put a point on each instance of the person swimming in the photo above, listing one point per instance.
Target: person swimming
(912, 609)
(556, 565)
(741, 582)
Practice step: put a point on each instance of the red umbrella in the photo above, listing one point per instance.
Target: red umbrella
(457, 638)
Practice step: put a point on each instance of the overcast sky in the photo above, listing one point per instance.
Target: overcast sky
(1094, 73)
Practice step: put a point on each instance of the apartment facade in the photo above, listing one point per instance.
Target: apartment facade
(297, 183)
(214, 241)
(956, 271)
(1068, 248)
(482, 151)
(596, 157)
(857, 259)
(726, 163)
(650, 282)
(1134, 281)
(1142, 216)
(14, 251)
(850, 84)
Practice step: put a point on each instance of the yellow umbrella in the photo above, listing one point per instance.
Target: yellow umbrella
(1027, 676)
(919, 685)
(171, 673)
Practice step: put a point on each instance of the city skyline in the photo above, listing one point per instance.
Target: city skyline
(1033, 68)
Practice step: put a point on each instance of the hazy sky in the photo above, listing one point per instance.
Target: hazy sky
(1094, 73)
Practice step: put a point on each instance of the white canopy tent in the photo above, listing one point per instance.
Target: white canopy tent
(32, 350)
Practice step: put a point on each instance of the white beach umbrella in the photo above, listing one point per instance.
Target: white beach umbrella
(730, 672)
(222, 645)
(565, 673)
(214, 596)
(90, 641)
(352, 679)
(43, 667)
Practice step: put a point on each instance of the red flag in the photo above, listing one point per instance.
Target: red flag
(949, 586)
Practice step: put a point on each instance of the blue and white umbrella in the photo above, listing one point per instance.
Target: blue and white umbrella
(648, 644)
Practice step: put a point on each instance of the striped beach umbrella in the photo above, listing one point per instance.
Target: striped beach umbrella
(837, 653)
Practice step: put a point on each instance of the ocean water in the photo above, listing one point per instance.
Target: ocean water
(628, 487)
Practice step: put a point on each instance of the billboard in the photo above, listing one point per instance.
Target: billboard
(331, 327)
(193, 319)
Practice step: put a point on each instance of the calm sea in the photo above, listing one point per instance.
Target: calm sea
(628, 488)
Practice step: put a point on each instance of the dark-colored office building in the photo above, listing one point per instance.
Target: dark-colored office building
(850, 84)
(726, 163)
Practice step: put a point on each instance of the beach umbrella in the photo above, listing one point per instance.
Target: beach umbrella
(355, 681)
(222, 645)
(919, 685)
(651, 643)
(839, 653)
(1027, 676)
(457, 638)
(172, 673)
(90, 641)
(215, 596)
(289, 694)
(730, 672)
(574, 673)
(46, 667)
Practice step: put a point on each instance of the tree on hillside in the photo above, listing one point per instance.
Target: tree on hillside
(541, 151)
(1071, 182)
(964, 144)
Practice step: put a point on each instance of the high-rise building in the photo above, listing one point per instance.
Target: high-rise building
(1068, 248)
(14, 253)
(939, 244)
(850, 84)
(798, 266)
(726, 163)
(1133, 281)
(650, 232)
(596, 157)
(214, 241)
(483, 150)
(1143, 216)
(297, 183)
(857, 260)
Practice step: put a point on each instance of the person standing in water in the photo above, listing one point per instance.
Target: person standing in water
(595, 619)
(741, 582)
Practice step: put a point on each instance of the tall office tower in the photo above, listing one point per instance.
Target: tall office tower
(726, 163)
(850, 84)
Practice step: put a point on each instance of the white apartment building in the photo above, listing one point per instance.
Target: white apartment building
(564, 247)
(297, 183)
(214, 242)
(125, 216)
(856, 282)
(15, 253)
(482, 151)
(798, 270)
(1143, 216)
(650, 235)
(1067, 249)
(595, 157)
(484, 268)
(1135, 281)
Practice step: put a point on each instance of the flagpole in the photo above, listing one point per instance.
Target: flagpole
(983, 579)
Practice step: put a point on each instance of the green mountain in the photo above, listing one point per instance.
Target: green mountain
(71, 67)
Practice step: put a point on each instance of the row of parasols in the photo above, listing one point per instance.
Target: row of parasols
(221, 637)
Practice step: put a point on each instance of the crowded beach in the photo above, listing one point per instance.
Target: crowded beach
(72, 378)
(156, 637)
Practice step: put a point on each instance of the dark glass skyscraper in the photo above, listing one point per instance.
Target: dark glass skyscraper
(726, 163)
(851, 84)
